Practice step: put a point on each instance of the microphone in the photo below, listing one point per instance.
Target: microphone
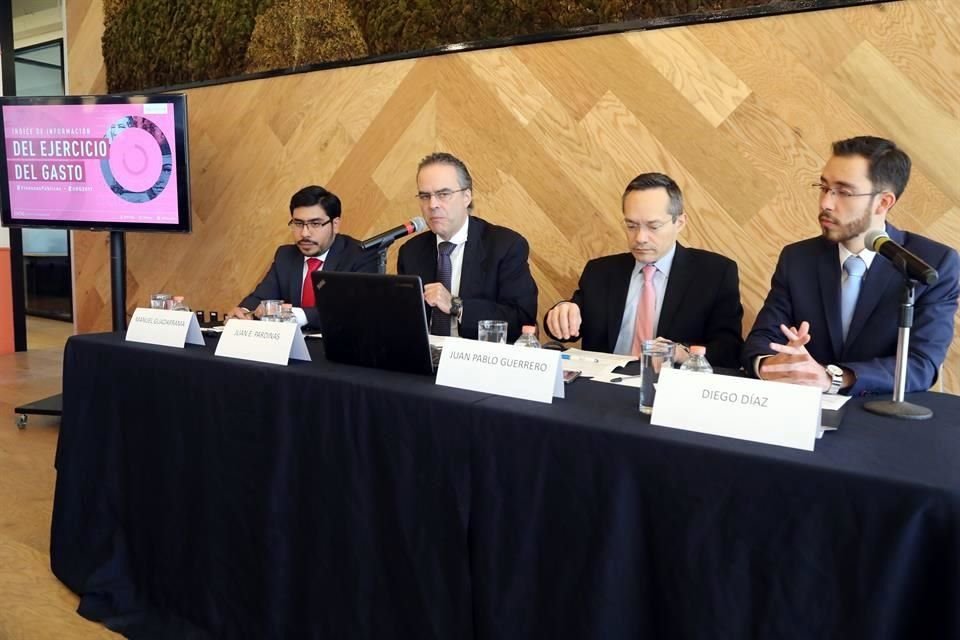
(878, 240)
(384, 239)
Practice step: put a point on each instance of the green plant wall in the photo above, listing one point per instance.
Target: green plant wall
(161, 43)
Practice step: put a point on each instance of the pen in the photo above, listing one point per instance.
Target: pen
(622, 378)
(567, 356)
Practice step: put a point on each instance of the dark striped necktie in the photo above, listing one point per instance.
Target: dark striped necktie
(440, 321)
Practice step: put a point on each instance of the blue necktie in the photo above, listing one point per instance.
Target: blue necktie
(855, 267)
(440, 321)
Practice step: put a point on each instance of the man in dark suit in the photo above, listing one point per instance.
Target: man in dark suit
(315, 224)
(830, 319)
(660, 289)
(472, 270)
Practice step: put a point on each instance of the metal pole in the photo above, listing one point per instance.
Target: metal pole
(118, 279)
(9, 88)
(897, 407)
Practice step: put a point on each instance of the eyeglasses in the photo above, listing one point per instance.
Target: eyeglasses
(443, 195)
(313, 225)
(839, 192)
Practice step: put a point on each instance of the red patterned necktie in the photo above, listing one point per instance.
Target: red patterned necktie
(308, 298)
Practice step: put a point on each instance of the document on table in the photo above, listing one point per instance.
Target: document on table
(593, 364)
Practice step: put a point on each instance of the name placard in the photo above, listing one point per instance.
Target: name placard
(164, 327)
(503, 370)
(786, 415)
(272, 342)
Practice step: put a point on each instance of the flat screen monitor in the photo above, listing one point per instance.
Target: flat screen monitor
(117, 163)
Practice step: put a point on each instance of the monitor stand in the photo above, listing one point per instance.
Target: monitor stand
(53, 406)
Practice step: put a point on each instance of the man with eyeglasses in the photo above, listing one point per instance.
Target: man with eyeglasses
(830, 318)
(314, 223)
(472, 270)
(658, 290)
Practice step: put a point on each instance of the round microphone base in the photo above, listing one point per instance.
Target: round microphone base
(902, 410)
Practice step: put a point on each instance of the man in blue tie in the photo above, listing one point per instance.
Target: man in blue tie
(831, 317)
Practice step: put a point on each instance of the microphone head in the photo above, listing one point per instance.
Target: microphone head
(872, 238)
(419, 224)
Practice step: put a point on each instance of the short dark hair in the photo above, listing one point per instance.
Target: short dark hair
(463, 176)
(314, 195)
(646, 181)
(888, 166)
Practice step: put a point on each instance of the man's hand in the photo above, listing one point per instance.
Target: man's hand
(792, 362)
(436, 295)
(564, 321)
(237, 312)
(680, 352)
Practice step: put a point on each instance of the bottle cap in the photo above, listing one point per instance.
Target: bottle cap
(528, 330)
(178, 298)
(696, 350)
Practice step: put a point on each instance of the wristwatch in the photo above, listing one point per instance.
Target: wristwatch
(836, 378)
(456, 306)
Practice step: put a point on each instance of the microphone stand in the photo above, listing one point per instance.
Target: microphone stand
(897, 407)
(382, 256)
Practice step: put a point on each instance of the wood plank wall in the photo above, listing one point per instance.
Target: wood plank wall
(740, 113)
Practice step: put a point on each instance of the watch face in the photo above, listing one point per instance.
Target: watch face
(834, 370)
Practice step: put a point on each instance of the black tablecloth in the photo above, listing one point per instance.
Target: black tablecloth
(327, 501)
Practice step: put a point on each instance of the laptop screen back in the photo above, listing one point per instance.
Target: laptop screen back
(373, 320)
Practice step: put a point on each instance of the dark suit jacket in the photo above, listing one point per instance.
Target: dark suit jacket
(700, 306)
(495, 282)
(806, 286)
(284, 280)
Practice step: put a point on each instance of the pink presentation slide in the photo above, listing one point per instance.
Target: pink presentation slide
(96, 162)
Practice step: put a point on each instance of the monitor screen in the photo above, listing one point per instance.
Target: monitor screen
(114, 163)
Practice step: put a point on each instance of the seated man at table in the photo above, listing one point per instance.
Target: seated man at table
(314, 223)
(472, 270)
(831, 317)
(658, 290)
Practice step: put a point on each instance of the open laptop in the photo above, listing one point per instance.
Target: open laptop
(374, 320)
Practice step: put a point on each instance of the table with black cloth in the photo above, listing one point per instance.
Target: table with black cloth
(327, 501)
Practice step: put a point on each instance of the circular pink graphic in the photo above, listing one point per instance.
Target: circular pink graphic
(135, 159)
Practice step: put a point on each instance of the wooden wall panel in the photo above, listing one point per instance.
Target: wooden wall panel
(740, 113)
(86, 73)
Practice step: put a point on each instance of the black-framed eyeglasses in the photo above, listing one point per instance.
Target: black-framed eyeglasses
(839, 192)
(313, 225)
(443, 195)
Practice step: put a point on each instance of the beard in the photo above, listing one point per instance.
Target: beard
(846, 231)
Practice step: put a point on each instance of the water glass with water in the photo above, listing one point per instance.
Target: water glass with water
(271, 308)
(158, 300)
(654, 357)
(492, 331)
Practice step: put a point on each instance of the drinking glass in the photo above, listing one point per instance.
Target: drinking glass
(271, 308)
(654, 357)
(492, 331)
